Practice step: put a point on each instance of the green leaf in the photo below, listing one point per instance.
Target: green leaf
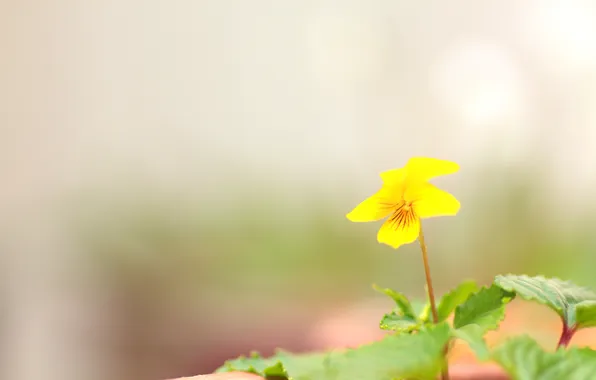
(474, 336)
(312, 366)
(418, 356)
(399, 323)
(485, 308)
(524, 359)
(585, 314)
(400, 300)
(422, 310)
(254, 364)
(561, 296)
(454, 298)
(480, 312)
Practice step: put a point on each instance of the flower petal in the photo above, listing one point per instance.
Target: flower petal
(375, 207)
(429, 201)
(397, 234)
(424, 168)
(394, 178)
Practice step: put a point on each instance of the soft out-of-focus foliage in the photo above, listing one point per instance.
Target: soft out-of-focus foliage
(524, 359)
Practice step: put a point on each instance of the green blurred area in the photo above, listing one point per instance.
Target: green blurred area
(228, 268)
(273, 251)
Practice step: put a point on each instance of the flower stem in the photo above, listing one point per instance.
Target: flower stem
(566, 335)
(431, 294)
(429, 281)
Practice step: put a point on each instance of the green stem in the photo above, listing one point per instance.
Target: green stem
(431, 293)
(429, 281)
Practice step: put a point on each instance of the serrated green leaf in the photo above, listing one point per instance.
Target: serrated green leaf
(418, 356)
(524, 359)
(277, 370)
(457, 296)
(561, 296)
(585, 314)
(399, 323)
(312, 366)
(253, 364)
(400, 300)
(473, 335)
(485, 308)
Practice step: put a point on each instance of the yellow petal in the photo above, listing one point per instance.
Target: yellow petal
(403, 227)
(394, 177)
(429, 201)
(375, 207)
(423, 168)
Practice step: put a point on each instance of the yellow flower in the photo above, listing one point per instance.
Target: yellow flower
(406, 197)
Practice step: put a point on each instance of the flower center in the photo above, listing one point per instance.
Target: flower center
(403, 216)
(407, 206)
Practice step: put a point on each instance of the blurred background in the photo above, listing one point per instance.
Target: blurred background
(175, 174)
